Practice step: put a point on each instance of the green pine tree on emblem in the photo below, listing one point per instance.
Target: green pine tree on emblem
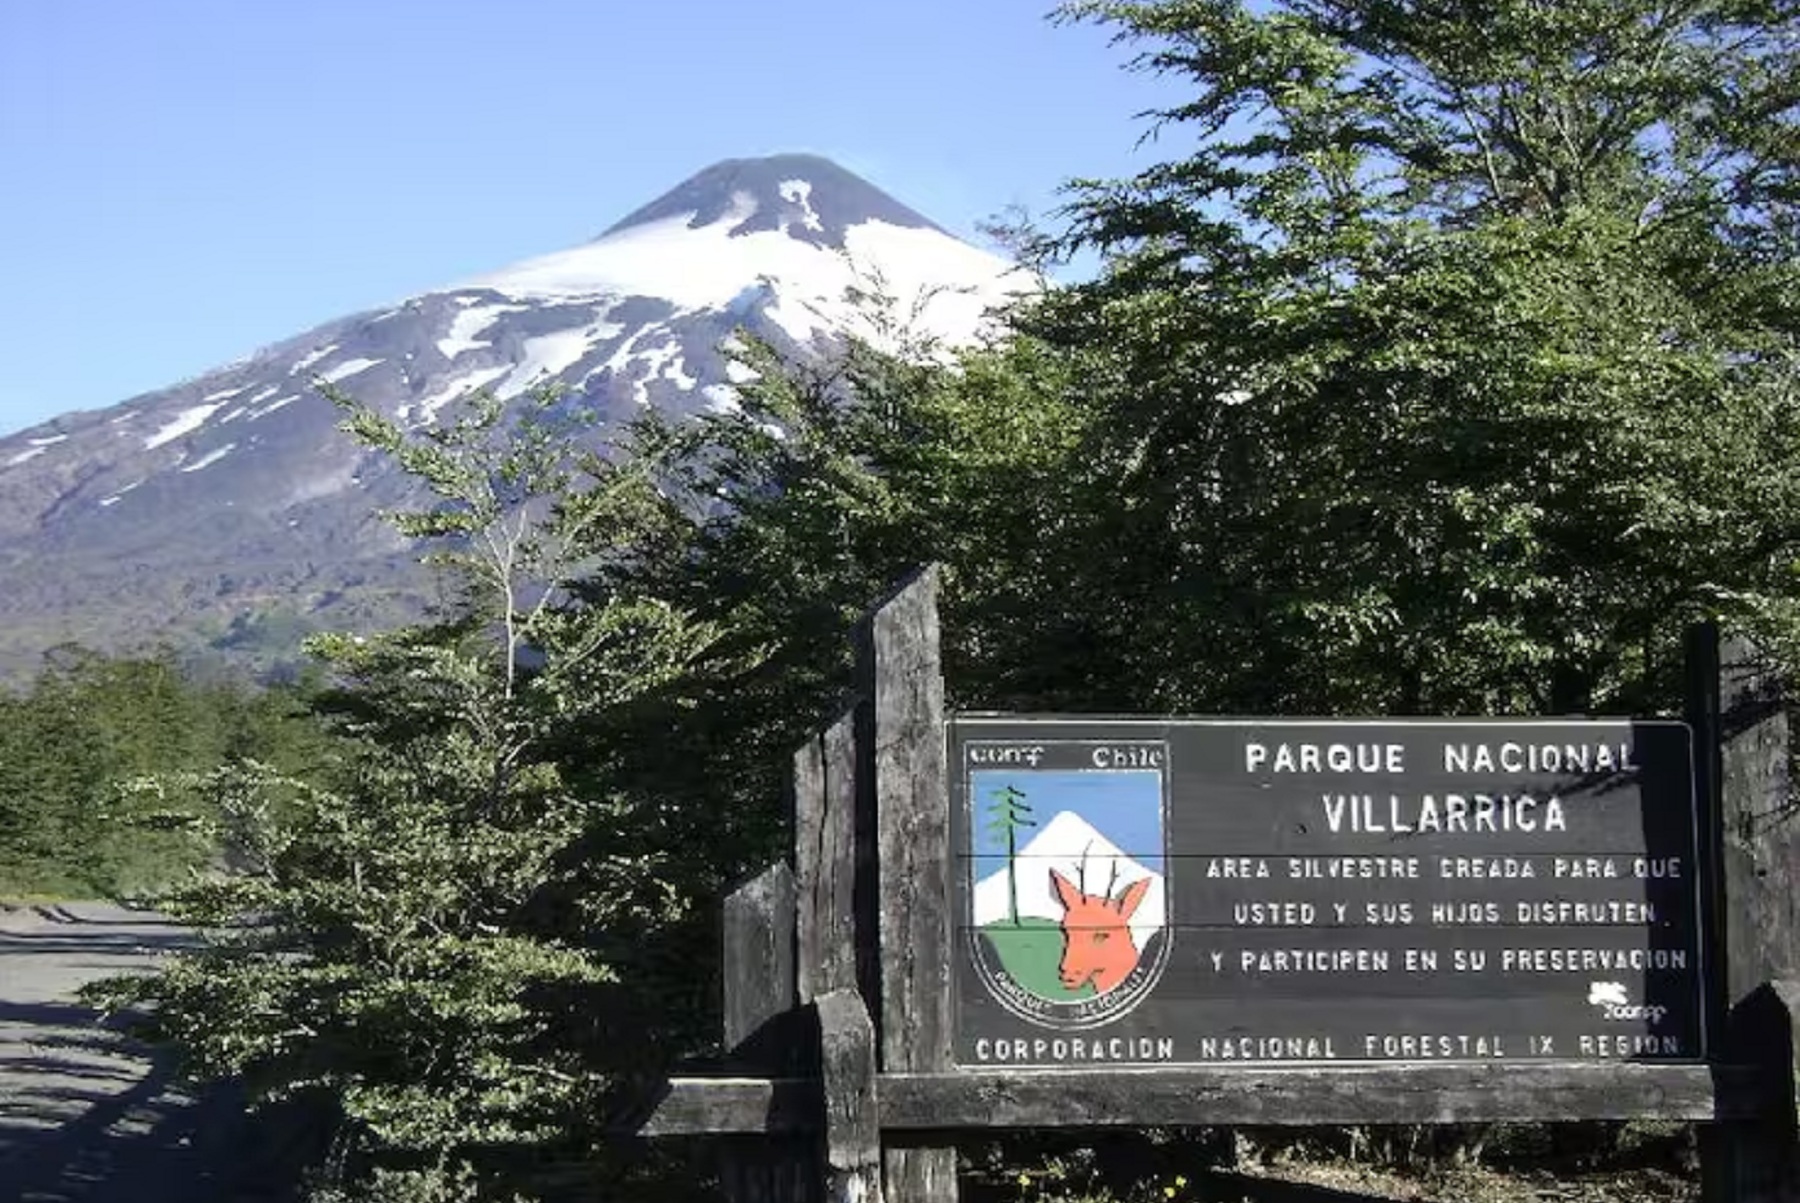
(1011, 812)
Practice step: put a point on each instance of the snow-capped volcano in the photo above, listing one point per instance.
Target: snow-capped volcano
(233, 492)
(790, 235)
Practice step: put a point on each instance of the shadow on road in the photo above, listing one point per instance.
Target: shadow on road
(148, 1143)
(84, 1022)
(89, 1115)
(122, 943)
(144, 1145)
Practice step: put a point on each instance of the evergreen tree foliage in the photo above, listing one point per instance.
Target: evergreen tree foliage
(73, 747)
(409, 941)
(1453, 368)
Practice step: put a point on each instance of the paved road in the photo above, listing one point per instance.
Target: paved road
(87, 1116)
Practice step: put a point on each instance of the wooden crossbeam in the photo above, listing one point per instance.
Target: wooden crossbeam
(1410, 1094)
(1199, 1096)
(723, 1106)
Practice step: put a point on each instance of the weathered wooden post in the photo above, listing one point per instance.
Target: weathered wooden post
(904, 784)
(830, 931)
(828, 861)
(852, 1126)
(758, 954)
(1748, 815)
(759, 1009)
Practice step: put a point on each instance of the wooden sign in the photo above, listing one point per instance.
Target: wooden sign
(1151, 891)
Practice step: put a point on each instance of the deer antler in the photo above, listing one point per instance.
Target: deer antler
(1081, 868)
(1112, 880)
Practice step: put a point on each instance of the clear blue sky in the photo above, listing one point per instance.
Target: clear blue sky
(188, 180)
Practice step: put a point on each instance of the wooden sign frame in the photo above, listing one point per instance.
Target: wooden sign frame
(839, 999)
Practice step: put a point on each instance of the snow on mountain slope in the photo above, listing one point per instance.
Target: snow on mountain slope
(949, 284)
(244, 465)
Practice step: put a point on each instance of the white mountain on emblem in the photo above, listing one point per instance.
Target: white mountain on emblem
(1073, 847)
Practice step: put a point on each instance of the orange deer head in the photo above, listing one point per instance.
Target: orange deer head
(1097, 946)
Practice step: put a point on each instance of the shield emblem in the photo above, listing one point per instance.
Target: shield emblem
(1069, 891)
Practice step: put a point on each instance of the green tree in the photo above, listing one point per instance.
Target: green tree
(1453, 368)
(410, 938)
(90, 726)
(1451, 371)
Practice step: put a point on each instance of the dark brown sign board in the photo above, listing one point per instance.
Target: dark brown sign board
(1201, 891)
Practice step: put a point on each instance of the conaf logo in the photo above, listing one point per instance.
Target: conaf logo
(993, 754)
(1615, 1002)
(1603, 994)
